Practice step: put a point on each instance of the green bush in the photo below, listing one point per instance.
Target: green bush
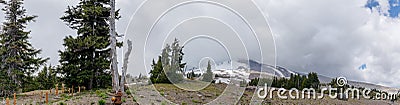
(128, 92)
(134, 99)
(98, 92)
(103, 95)
(102, 102)
(62, 103)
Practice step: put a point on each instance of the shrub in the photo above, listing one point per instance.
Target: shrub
(62, 103)
(102, 102)
(128, 92)
(103, 95)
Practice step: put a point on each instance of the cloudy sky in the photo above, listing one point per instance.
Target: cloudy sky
(331, 37)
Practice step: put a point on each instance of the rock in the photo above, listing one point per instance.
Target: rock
(57, 97)
(208, 95)
(202, 98)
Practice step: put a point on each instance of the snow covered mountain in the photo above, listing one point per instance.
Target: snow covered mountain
(249, 69)
(254, 66)
(245, 67)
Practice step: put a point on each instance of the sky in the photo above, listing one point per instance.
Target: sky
(330, 37)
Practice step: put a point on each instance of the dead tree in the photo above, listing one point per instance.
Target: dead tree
(113, 41)
(125, 66)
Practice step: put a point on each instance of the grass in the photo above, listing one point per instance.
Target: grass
(163, 103)
(193, 85)
(195, 101)
(102, 102)
(66, 97)
(102, 94)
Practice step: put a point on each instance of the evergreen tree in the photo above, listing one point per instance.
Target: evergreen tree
(313, 80)
(254, 82)
(19, 59)
(297, 81)
(191, 75)
(175, 68)
(304, 83)
(157, 74)
(274, 82)
(86, 58)
(47, 78)
(169, 68)
(154, 71)
(208, 76)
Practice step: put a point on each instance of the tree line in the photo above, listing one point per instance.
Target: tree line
(294, 81)
(297, 81)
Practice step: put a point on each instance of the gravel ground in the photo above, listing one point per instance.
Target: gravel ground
(148, 95)
(84, 98)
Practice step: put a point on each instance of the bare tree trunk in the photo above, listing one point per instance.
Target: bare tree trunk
(113, 42)
(125, 66)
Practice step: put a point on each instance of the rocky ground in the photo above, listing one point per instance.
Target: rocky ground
(214, 94)
(144, 93)
(223, 94)
(82, 98)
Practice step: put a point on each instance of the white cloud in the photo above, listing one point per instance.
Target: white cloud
(335, 37)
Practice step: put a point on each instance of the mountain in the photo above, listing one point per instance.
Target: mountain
(253, 65)
(244, 70)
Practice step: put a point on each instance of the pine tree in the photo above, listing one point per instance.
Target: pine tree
(19, 60)
(86, 58)
(208, 76)
(175, 71)
(274, 82)
(157, 74)
(313, 80)
(169, 67)
(47, 78)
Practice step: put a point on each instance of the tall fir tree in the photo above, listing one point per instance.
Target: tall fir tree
(208, 76)
(169, 67)
(175, 71)
(19, 60)
(157, 74)
(86, 58)
(47, 78)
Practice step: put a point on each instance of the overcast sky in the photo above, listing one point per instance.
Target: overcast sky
(331, 37)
